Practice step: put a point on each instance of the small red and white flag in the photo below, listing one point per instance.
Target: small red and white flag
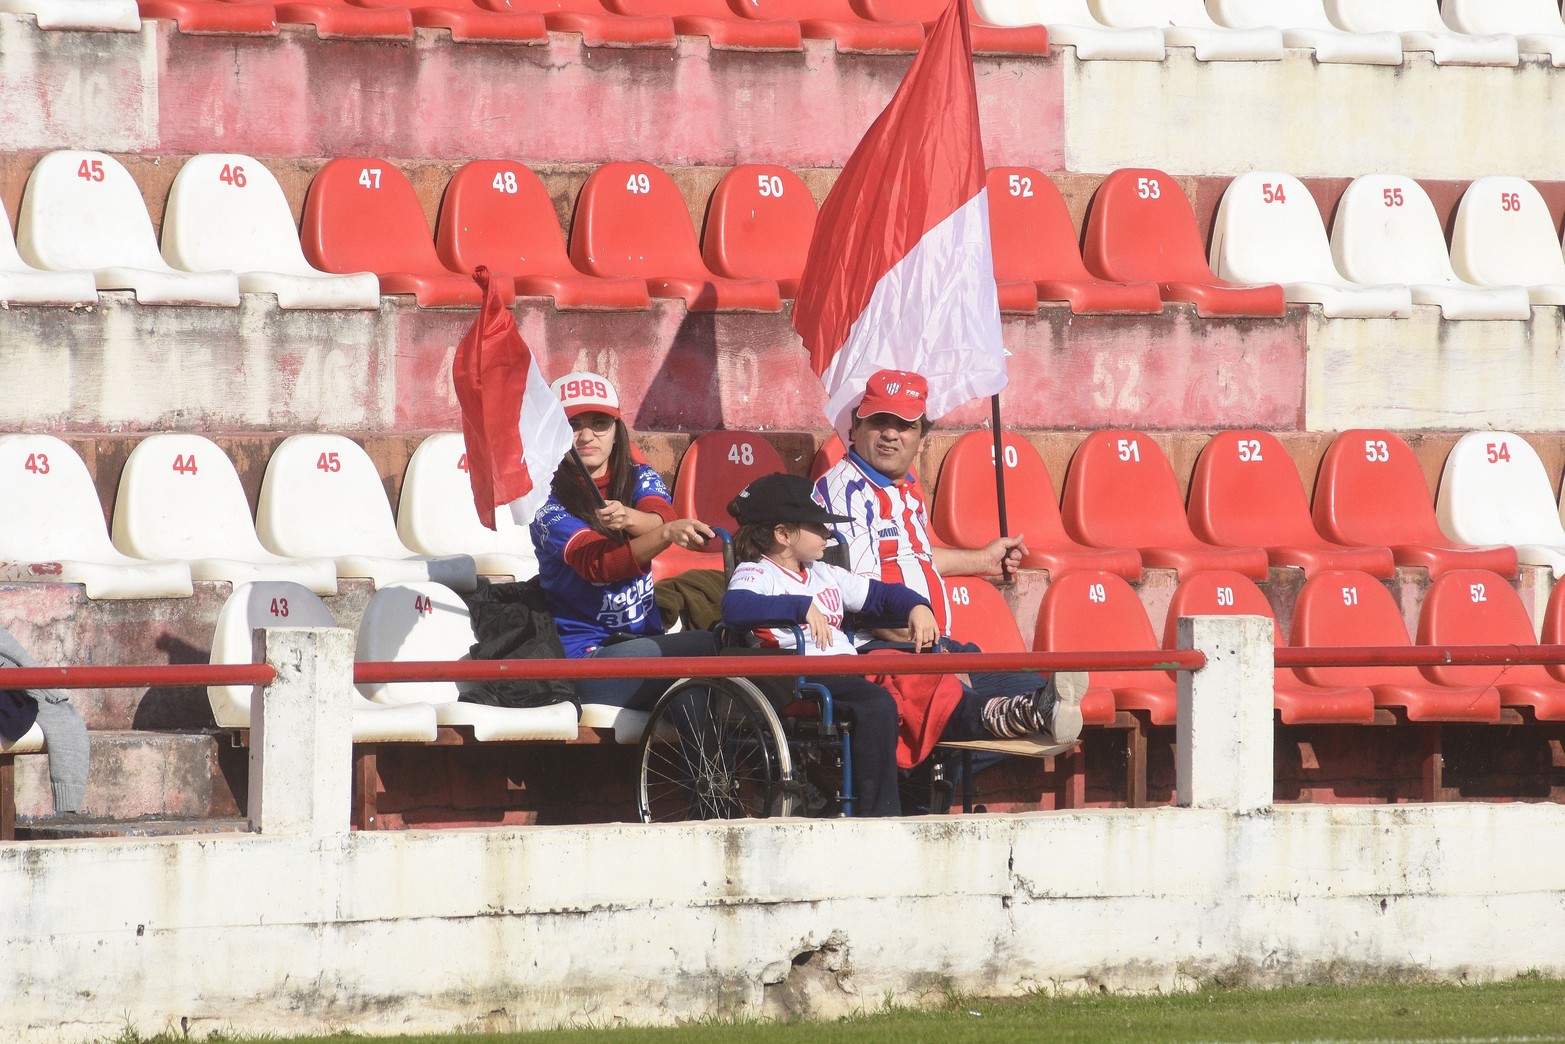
(514, 427)
(900, 274)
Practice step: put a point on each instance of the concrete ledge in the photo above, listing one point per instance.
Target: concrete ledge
(525, 928)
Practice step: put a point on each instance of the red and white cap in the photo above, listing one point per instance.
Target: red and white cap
(583, 392)
(900, 393)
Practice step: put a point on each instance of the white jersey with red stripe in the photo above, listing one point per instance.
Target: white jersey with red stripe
(831, 590)
(888, 538)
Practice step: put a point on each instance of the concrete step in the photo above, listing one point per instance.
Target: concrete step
(60, 828)
(138, 774)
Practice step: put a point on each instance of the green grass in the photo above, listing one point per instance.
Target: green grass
(1525, 1009)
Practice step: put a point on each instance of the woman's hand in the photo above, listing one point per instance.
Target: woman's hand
(922, 629)
(689, 533)
(820, 630)
(614, 516)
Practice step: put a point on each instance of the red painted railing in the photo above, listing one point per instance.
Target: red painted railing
(194, 675)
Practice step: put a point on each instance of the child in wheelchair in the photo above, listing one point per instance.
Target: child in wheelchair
(780, 578)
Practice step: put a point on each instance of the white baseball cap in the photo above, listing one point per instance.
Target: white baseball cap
(583, 392)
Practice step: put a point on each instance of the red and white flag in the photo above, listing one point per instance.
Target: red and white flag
(900, 274)
(515, 429)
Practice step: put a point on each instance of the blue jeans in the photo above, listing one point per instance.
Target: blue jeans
(642, 693)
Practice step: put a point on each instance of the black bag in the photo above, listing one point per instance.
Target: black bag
(512, 622)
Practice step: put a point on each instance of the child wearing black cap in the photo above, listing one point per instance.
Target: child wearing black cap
(782, 535)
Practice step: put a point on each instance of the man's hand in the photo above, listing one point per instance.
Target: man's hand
(1000, 557)
(820, 630)
(1003, 556)
(922, 629)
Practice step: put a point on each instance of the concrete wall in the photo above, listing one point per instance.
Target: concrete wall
(304, 926)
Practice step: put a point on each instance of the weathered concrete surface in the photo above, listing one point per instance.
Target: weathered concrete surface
(120, 366)
(1190, 117)
(541, 926)
(161, 91)
(1426, 372)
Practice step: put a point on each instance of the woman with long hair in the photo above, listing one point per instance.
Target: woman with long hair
(595, 545)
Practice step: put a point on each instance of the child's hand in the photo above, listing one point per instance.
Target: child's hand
(820, 630)
(922, 629)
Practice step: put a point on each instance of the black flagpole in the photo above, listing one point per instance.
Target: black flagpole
(581, 465)
(999, 471)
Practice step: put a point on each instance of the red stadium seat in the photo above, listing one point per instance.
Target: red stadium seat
(838, 21)
(632, 221)
(966, 512)
(1096, 611)
(467, 21)
(1371, 490)
(758, 226)
(1121, 492)
(1141, 227)
(831, 451)
(1349, 608)
(1029, 39)
(595, 23)
(1246, 491)
(362, 215)
(715, 468)
(979, 614)
(214, 16)
(1037, 256)
(716, 21)
(1297, 702)
(498, 214)
(1554, 627)
(1477, 607)
(339, 18)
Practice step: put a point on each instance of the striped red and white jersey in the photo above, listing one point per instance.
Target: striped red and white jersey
(888, 538)
(831, 590)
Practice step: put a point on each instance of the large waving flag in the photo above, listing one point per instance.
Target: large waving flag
(900, 274)
(515, 429)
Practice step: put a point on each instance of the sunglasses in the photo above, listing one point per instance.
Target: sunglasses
(600, 423)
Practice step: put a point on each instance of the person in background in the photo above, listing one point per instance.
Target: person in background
(596, 539)
(887, 535)
(782, 535)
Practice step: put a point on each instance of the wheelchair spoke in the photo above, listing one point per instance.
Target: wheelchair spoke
(712, 751)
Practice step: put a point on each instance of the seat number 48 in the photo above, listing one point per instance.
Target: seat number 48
(741, 453)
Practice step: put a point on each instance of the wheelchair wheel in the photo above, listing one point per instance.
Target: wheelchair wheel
(714, 749)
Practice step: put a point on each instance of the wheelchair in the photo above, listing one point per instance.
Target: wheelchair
(741, 748)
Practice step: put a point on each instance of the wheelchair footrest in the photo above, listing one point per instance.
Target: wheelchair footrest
(1027, 746)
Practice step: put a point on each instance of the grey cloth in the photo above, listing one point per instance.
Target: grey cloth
(63, 730)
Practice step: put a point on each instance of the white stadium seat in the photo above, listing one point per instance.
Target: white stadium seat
(1070, 24)
(20, 283)
(119, 16)
(52, 521)
(1493, 490)
(1504, 236)
(273, 603)
(436, 516)
(1418, 23)
(1386, 231)
(424, 621)
(1185, 23)
(30, 742)
(1304, 24)
(322, 497)
(83, 210)
(1536, 24)
(227, 211)
(180, 498)
(1269, 230)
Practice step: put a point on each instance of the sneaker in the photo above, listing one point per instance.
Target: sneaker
(1065, 718)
